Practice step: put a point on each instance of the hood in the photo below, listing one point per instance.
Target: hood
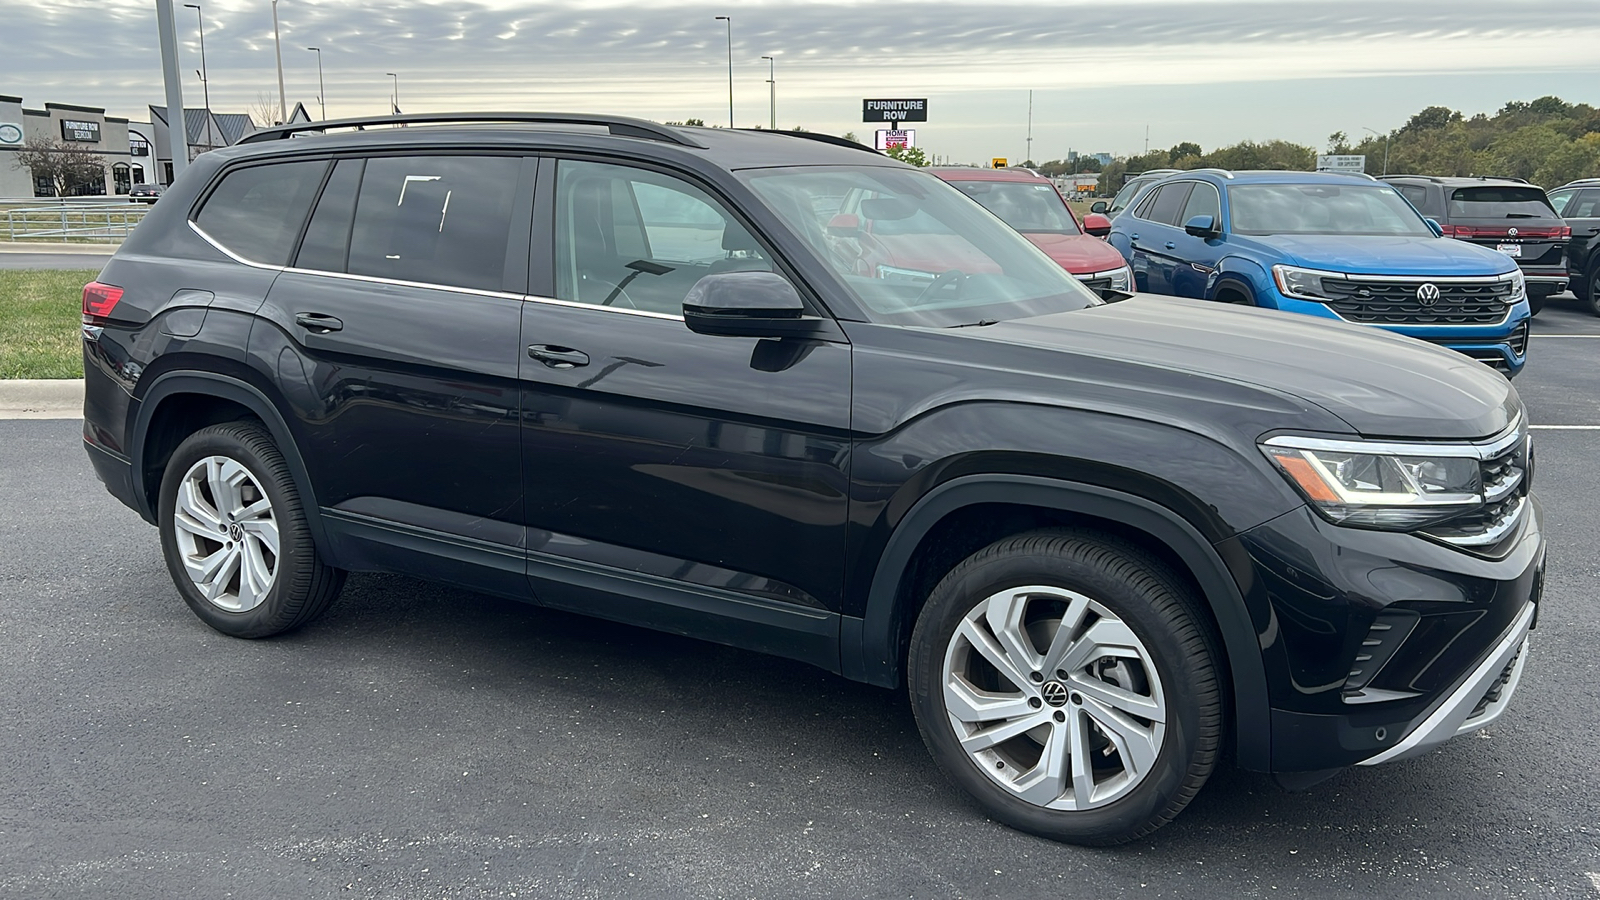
(1387, 255)
(1382, 384)
(1080, 254)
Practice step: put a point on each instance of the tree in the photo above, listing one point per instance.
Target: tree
(264, 108)
(1186, 148)
(909, 155)
(850, 136)
(66, 165)
(1339, 143)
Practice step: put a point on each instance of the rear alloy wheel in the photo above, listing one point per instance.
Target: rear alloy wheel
(1061, 679)
(235, 536)
(1592, 288)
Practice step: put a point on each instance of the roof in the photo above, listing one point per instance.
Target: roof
(972, 173)
(1271, 176)
(230, 127)
(1456, 180)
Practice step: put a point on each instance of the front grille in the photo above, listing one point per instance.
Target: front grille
(1396, 302)
(1506, 477)
(1097, 285)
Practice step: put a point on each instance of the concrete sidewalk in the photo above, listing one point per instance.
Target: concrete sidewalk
(37, 398)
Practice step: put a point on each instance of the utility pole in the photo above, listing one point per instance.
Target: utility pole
(283, 108)
(322, 96)
(1147, 139)
(1028, 157)
(772, 92)
(729, 20)
(167, 26)
(1385, 147)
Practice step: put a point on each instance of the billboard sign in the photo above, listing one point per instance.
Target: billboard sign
(894, 110)
(82, 132)
(887, 138)
(1338, 163)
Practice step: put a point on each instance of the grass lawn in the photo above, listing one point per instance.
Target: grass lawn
(40, 314)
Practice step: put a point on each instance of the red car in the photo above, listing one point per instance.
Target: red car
(1033, 206)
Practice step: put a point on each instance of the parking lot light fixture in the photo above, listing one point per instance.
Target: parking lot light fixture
(1385, 147)
(729, 20)
(322, 94)
(205, 81)
(283, 103)
(394, 98)
(772, 92)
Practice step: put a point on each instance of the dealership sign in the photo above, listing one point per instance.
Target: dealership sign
(895, 138)
(80, 131)
(894, 110)
(1341, 163)
(10, 134)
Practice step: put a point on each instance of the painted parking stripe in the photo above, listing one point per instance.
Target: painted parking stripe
(1566, 427)
(1590, 336)
(1594, 879)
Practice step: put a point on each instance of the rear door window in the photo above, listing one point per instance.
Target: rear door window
(1585, 206)
(257, 211)
(1203, 201)
(1500, 203)
(441, 220)
(1416, 193)
(1165, 204)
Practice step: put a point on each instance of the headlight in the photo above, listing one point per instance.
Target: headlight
(1394, 486)
(1519, 288)
(1122, 279)
(1303, 284)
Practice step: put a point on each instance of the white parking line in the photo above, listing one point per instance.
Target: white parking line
(1591, 336)
(1566, 427)
(1594, 879)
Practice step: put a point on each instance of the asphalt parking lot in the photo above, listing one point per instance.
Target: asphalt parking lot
(421, 741)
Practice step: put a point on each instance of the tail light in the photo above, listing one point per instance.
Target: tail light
(98, 301)
(1484, 231)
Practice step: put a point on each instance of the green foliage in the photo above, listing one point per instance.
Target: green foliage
(908, 155)
(40, 321)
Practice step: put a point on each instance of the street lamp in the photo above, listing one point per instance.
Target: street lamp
(1385, 147)
(394, 98)
(205, 83)
(322, 99)
(729, 20)
(283, 108)
(772, 91)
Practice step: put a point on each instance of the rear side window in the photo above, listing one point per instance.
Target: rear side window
(435, 219)
(1416, 193)
(327, 240)
(256, 212)
(1499, 203)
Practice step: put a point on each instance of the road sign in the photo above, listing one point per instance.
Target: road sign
(887, 138)
(999, 162)
(894, 110)
(1338, 163)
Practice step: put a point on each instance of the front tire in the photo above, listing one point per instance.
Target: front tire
(1062, 678)
(235, 536)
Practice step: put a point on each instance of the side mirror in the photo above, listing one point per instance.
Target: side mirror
(747, 304)
(1097, 224)
(1202, 227)
(844, 225)
(1435, 227)
(1099, 206)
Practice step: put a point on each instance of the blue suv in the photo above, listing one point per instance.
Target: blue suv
(1343, 247)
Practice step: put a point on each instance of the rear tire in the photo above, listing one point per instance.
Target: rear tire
(1064, 680)
(235, 536)
(1590, 289)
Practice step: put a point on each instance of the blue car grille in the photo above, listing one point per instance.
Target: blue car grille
(1396, 302)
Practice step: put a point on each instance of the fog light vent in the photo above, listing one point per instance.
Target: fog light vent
(1383, 640)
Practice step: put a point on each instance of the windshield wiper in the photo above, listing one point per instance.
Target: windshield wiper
(977, 324)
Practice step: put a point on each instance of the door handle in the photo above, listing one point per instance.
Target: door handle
(558, 357)
(1171, 245)
(317, 323)
(1134, 236)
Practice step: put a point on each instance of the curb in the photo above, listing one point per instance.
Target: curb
(63, 249)
(40, 398)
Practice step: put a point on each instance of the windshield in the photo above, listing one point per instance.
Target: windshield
(1322, 209)
(1029, 207)
(912, 250)
(1499, 203)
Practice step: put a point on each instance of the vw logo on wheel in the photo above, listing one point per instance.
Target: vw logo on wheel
(1428, 294)
(1054, 693)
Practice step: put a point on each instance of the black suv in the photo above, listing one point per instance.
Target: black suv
(1506, 214)
(1579, 204)
(652, 374)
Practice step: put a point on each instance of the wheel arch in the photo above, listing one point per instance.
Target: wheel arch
(220, 397)
(873, 647)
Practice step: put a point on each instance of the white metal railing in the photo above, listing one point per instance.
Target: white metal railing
(70, 219)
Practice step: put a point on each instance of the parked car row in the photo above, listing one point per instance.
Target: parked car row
(1579, 205)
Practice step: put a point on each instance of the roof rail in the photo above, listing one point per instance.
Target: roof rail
(815, 136)
(620, 126)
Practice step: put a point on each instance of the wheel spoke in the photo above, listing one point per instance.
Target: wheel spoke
(985, 738)
(258, 508)
(1117, 698)
(1061, 642)
(1004, 612)
(1045, 782)
(1137, 745)
(1107, 637)
(197, 510)
(215, 583)
(226, 477)
(1082, 766)
(969, 704)
(994, 653)
(263, 530)
(254, 577)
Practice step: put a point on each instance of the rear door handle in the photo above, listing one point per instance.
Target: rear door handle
(558, 357)
(1171, 245)
(317, 323)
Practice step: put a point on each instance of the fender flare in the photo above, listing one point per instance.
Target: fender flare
(870, 646)
(238, 391)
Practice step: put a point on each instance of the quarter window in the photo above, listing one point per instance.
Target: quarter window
(435, 219)
(327, 240)
(256, 212)
(636, 239)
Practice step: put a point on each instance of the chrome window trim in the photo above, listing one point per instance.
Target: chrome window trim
(229, 253)
(553, 301)
(1482, 450)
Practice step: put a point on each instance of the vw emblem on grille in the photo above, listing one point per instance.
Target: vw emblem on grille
(1511, 232)
(1054, 693)
(1428, 294)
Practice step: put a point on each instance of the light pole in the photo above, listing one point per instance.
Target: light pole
(322, 98)
(394, 98)
(729, 20)
(205, 84)
(772, 92)
(1385, 147)
(283, 108)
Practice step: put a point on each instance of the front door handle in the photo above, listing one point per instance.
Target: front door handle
(1171, 245)
(317, 323)
(558, 357)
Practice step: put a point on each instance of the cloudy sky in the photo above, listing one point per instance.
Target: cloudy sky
(1211, 71)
